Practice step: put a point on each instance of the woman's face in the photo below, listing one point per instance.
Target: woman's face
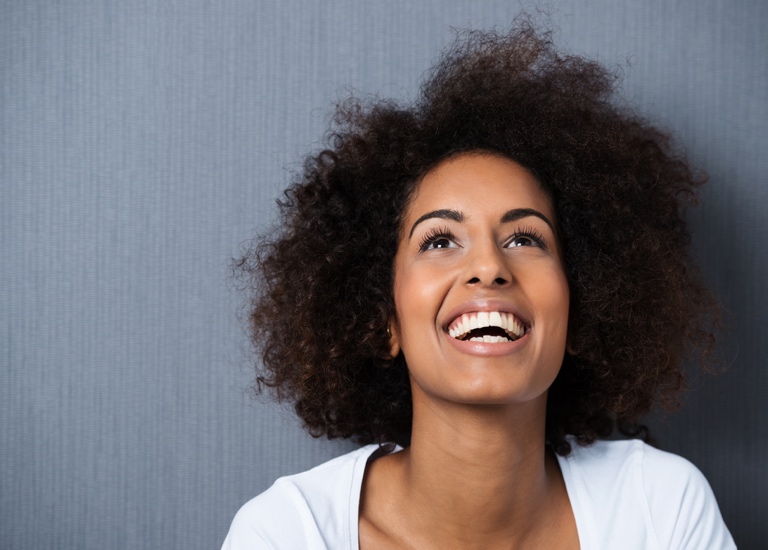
(480, 291)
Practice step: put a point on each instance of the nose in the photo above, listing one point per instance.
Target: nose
(487, 266)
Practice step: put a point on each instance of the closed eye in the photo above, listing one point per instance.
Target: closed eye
(436, 239)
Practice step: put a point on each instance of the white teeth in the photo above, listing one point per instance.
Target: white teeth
(483, 319)
(489, 339)
(470, 321)
(494, 318)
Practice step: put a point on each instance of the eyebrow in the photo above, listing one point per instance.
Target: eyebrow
(518, 213)
(445, 214)
(509, 216)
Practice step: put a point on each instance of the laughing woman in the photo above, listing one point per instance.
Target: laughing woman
(480, 288)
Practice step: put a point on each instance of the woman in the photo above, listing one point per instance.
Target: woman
(480, 287)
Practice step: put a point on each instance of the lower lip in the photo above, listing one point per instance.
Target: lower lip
(488, 349)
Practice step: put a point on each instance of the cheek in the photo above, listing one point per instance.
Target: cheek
(419, 292)
(411, 303)
(560, 295)
(553, 295)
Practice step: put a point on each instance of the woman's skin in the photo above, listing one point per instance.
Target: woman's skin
(477, 237)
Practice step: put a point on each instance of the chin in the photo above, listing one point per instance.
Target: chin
(487, 392)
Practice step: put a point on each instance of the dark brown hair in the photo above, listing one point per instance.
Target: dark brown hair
(320, 284)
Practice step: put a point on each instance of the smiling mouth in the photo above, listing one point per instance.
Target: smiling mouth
(486, 326)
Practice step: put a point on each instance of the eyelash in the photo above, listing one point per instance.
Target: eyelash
(531, 233)
(437, 233)
(433, 235)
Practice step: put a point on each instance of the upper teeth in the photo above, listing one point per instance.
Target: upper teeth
(481, 319)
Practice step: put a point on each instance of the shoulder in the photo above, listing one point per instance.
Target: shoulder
(306, 510)
(657, 497)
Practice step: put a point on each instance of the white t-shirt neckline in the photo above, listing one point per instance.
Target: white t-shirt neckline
(356, 487)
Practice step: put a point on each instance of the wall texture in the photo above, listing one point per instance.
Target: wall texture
(142, 141)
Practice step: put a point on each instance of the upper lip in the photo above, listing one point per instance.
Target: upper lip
(475, 306)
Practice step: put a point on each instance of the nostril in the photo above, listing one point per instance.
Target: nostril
(473, 280)
(500, 281)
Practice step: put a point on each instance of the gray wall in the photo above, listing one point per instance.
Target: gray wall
(142, 141)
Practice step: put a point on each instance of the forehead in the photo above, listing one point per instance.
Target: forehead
(478, 183)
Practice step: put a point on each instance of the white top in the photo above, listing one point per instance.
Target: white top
(624, 494)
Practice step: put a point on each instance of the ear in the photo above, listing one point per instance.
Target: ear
(394, 342)
(569, 347)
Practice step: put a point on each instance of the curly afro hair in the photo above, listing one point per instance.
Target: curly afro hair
(320, 284)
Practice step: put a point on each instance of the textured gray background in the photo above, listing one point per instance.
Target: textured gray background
(142, 141)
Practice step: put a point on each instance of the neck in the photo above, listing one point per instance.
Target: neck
(483, 463)
(478, 474)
